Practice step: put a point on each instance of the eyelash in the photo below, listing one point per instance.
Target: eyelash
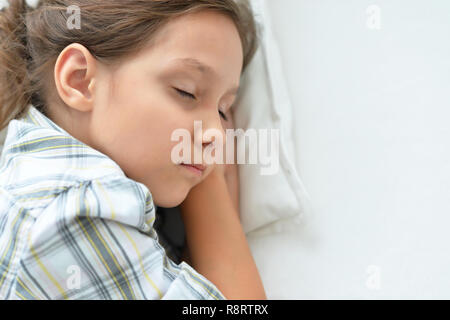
(191, 96)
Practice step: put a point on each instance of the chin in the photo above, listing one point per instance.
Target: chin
(170, 199)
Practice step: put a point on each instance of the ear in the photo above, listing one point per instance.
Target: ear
(74, 73)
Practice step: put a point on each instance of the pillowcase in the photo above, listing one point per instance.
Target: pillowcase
(263, 103)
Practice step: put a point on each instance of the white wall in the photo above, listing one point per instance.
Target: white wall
(372, 113)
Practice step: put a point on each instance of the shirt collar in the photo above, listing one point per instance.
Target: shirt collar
(36, 136)
(34, 117)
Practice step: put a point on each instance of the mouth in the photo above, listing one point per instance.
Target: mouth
(195, 168)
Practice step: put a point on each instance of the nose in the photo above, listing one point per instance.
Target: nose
(211, 127)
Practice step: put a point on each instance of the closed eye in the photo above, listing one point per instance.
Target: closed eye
(185, 94)
(191, 96)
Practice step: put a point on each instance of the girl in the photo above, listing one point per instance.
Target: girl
(91, 92)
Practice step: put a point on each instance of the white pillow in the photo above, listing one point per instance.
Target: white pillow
(264, 103)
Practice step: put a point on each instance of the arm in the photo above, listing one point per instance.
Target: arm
(217, 244)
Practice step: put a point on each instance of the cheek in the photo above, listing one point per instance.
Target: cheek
(144, 141)
(141, 123)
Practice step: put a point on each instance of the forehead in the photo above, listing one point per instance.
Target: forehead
(206, 41)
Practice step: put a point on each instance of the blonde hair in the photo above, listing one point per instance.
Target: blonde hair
(33, 38)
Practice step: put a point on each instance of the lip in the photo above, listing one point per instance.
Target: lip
(195, 168)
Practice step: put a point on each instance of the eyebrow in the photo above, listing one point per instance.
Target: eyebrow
(205, 69)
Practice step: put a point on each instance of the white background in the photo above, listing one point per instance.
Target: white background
(372, 112)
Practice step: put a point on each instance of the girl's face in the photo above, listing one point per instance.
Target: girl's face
(140, 104)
